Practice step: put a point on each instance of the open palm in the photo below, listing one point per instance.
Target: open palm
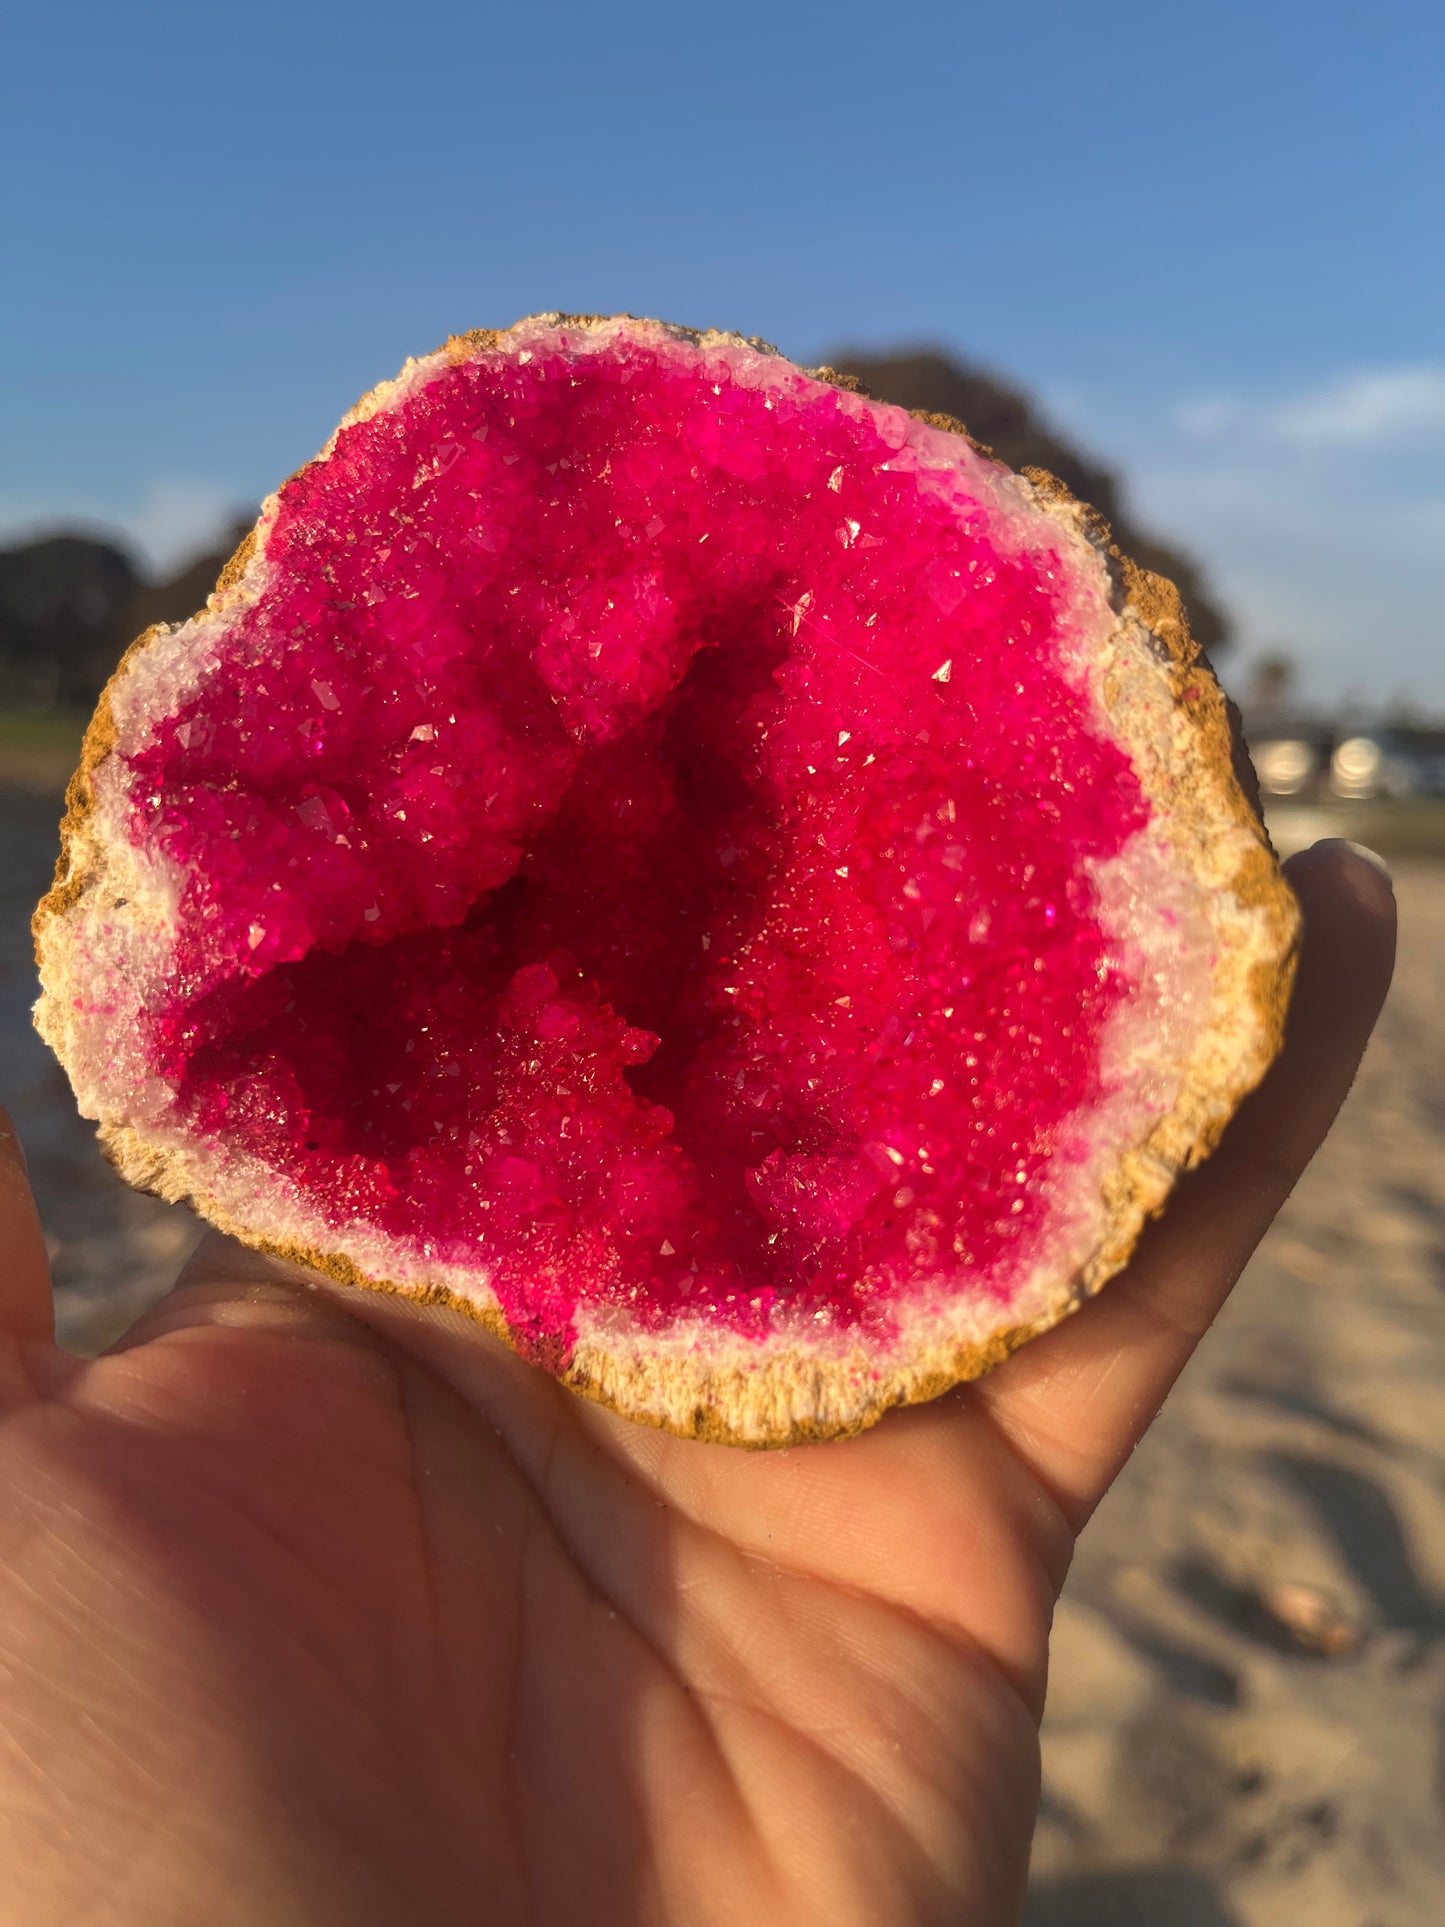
(319, 1608)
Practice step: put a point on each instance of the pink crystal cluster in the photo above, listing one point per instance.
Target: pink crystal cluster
(635, 847)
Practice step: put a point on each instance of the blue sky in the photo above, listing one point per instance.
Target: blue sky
(1211, 238)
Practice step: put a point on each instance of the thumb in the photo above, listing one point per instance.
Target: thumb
(26, 1309)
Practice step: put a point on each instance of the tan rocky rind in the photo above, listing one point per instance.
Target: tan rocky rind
(1177, 729)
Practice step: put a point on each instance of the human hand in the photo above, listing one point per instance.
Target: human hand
(318, 1609)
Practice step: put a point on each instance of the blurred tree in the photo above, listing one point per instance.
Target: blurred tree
(63, 604)
(1272, 680)
(1405, 711)
(69, 604)
(1004, 420)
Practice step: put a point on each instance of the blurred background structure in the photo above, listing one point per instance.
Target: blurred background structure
(1187, 259)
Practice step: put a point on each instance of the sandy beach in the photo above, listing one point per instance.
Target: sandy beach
(1202, 1766)
(1246, 1720)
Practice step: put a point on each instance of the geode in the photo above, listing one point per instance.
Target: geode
(706, 872)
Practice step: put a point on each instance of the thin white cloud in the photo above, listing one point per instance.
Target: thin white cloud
(1208, 418)
(1373, 408)
(1366, 409)
(1319, 517)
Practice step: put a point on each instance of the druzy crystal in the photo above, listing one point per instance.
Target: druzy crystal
(637, 842)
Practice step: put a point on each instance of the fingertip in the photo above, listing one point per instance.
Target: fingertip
(225, 1282)
(1346, 872)
(222, 1260)
(1347, 899)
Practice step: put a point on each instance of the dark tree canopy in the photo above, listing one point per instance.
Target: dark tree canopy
(63, 606)
(1004, 420)
(69, 604)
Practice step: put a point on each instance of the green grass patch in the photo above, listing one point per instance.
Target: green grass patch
(42, 729)
(39, 748)
(1412, 827)
(1408, 828)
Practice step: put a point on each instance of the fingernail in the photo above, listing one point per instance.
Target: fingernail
(1372, 857)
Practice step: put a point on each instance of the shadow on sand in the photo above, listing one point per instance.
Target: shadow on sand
(1145, 1897)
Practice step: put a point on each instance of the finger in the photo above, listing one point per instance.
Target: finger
(224, 1282)
(26, 1307)
(1075, 1403)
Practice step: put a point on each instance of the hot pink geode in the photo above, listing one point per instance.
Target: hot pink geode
(707, 872)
